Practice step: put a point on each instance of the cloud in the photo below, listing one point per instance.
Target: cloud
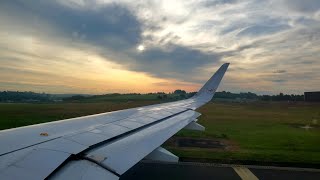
(279, 80)
(115, 32)
(174, 61)
(259, 30)
(306, 6)
(212, 3)
(265, 41)
(279, 71)
(111, 25)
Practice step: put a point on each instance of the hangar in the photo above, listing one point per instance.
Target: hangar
(312, 96)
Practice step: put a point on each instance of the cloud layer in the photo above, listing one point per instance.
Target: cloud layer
(90, 46)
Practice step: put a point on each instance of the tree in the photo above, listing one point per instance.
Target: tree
(179, 91)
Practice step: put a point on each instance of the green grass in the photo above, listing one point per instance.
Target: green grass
(22, 114)
(264, 132)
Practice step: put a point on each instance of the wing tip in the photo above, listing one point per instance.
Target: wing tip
(226, 64)
(209, 88)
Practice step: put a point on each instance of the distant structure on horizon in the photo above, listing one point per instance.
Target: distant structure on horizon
(312, 96)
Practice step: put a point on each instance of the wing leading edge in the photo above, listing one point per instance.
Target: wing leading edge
(101, 146)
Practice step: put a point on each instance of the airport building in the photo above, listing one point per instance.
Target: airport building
(312, 96)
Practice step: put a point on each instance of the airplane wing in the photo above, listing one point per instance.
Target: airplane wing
(100, 146)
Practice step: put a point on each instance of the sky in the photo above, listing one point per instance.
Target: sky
(105, 46)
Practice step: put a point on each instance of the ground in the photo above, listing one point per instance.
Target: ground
(208, 171)
(262, 132)
(255, 132)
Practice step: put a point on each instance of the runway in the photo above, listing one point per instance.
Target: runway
(202, 171)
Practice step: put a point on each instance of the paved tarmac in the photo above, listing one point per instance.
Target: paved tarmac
(203, 171)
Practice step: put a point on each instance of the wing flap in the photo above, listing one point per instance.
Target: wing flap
(83, 170)
(37, 164)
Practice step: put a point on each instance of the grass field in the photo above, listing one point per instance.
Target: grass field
(264, 132)
(261, 131)
(22, 114)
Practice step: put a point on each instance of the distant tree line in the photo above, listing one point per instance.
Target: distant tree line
(16, 96)
(253, 96)
(176, 95)
(243, 95)
(74, 98)
(282, 97)
(229, 95)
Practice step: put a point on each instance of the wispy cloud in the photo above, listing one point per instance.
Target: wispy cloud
(279, 71)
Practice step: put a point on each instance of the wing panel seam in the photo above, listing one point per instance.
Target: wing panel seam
(30, 146)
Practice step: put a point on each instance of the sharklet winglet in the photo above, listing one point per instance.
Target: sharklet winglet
(207, 91)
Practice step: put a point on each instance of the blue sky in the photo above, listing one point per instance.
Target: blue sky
(98, 46)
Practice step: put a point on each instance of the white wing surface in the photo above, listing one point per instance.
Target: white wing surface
(101, 146)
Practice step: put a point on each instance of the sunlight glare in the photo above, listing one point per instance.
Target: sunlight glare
(140, 47)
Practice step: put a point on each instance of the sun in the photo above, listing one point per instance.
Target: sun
(140, 47)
